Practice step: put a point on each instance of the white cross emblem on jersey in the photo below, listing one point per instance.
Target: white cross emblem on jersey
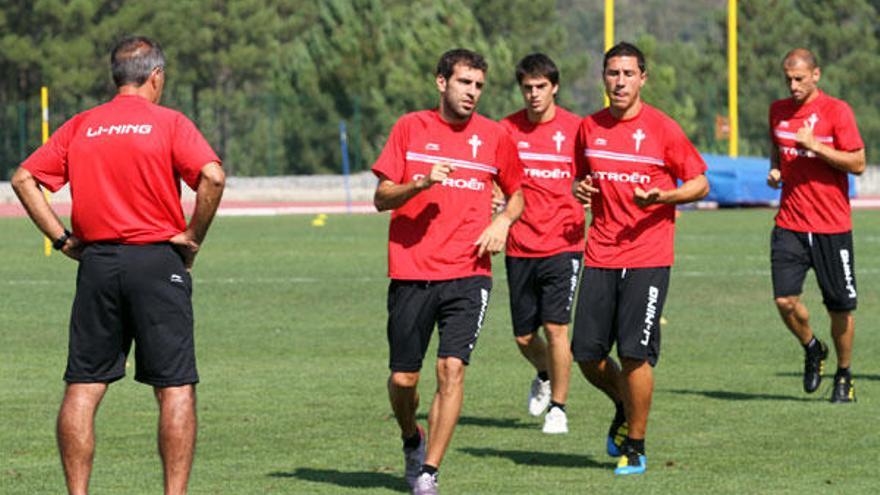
(812, 121)
(475, 143)
(559, 137)
(639, 136)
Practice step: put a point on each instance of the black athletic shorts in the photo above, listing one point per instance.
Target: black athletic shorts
(830, 255)
(623, 306)
(457, 307)
(541, 290)
(128, 293)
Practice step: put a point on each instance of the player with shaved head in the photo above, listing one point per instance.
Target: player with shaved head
(814, 144)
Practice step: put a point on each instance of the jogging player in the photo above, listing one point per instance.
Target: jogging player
(814, 145)
(545, 247)
(629, 157)
(124, 161)
(436, 174)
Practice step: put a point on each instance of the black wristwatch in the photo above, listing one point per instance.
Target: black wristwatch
(57, 244)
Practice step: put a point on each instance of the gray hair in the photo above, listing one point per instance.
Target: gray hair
(133, 59)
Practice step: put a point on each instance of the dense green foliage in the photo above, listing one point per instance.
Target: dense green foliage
(293, 360)
(269, 81)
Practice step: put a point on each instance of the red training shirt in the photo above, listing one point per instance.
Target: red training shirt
(649, 150)
(815, 195)
(553, 220)
(124, 160)
(432, 236)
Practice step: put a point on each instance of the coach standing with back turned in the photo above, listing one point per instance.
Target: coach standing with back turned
(124, 161)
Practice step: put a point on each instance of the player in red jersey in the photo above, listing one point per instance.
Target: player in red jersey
(124, 161)
(436, 173)
(545, 246)
(628, 157)
(815, 143)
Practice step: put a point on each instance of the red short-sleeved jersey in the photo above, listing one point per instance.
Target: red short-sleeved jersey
(815, 195)
(553, 221)
(650, 150)
(432, 236)
(124, 160)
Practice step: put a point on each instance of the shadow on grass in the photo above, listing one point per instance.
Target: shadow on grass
(856, 376)
(730, 395)
(491, 422)
(532, 458)
(352, 479)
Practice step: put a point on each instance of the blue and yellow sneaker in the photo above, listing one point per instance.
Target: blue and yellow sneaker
(616, 435)
(631, 462)
(844, 391)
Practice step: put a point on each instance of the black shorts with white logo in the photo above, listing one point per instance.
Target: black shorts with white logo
(619, 305)
(830, 255)
(541, 290)
(457, 307)
(132, 293)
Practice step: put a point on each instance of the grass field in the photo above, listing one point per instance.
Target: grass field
(290, 324)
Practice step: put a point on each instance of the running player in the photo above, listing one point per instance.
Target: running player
(545, 247)
(436, 173)
(629, 157)
(814, 145)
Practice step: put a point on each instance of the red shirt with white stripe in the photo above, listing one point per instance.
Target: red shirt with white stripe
(647, 151)
(124, 161)
(815, 195)
(433, 235)
(552, 221)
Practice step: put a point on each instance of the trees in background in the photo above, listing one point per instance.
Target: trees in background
(268, 81)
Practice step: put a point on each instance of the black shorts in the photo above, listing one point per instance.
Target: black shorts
(830, 255)
(541, 290)
(457, 307)
(623, 306)
(132, 293)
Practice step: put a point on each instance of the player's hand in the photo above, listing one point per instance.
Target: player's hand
(439, 173)
(774, 178)
(73, 248)
(805, 138)
(583, 191)
(492, 239)
(644, 198)
(186, 247)
(498, 199)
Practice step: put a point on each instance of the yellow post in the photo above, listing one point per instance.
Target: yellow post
(733, 113)
(44, 105)
(609, 32)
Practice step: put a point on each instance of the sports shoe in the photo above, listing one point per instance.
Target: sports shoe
(426, 484)
(844, 390)
(814, 363)
(631, 462)
(413, 459)
(539, 396)
(555, 422)
(616, 435)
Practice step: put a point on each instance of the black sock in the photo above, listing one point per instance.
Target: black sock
(637, 445)
(842, 372)
(619, 415)
(427, 468)
(553, 404)
(413, 441)
(543, 376)
(809, 346)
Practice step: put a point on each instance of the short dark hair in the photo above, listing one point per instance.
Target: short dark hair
(456, 56)
(801, 54)
(624, 49)
(133, 59)
(537, 65)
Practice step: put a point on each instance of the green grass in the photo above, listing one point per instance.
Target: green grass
(290, 327)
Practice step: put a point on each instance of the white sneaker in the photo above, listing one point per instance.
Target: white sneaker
(426, 484)
(539, 396)
(555, 422)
